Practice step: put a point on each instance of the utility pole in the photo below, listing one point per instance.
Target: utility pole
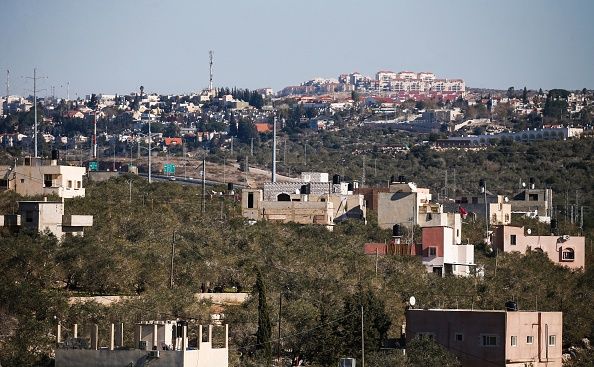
(149, 150)
(274, 150)
(231, 145)
(285, 153)
(172, 255)
(362, 339)
(305, 152)
(278, 345)
(203, 184)
(7, 84)
(252, 147)
(34, 78)
(95, 135)
(363, 173)
(483, 185)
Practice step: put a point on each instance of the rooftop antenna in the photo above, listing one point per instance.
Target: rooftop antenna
(7, 83)
(34, 78)
(210, 54)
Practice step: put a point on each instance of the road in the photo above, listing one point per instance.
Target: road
(188, 180)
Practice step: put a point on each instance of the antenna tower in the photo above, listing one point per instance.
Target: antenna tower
(7, 83)
(210, 54)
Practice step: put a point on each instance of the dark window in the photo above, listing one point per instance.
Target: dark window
(432, 251)
(47, 180)
(3, 184)
(250, 200)
(532, 197)
(475, 200)
(568, 254)
(512, 239)
(29, 216)
(459, 337)
(283, 197)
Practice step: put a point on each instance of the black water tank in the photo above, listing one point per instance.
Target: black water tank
(229, 186)
(392, 179)
(396, 230)
(336, 180)
(482, 182)
(350, 186)
(401, 178)
(511, 306)
(55, 154)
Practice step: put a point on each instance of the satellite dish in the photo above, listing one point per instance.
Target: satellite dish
(506, 199)
(523, 184)
(529, 231)
(412, 300)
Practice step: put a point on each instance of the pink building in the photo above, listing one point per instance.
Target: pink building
(492, 338)
(563, 250)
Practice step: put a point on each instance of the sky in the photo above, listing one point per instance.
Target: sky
(114, 46)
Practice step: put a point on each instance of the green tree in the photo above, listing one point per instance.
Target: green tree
(424, 352)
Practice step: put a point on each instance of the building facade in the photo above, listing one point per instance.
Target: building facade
(492, 338)
(156, 343)
(312, 200)
(443, 256)
(43, 178)
(49, 216)
(568, 251)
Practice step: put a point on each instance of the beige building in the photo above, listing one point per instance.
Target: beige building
(39, 177)
(313, 200)
(569, 251)
(498, 208)
(156, 344)
(492, 338)
(49, 216)
(534, 203)
(406, 204)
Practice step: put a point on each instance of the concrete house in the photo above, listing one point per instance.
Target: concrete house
(443, 256)
(312, 200)
(156, 343)
(563, 250)
(38, 177)
(532, 202)
(492, 338)
(498, 209)
(47, 215)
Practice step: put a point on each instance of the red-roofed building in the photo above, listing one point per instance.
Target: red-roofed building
(263, 127)
(173, 141)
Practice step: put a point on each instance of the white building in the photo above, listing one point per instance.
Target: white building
(156, 344)
(38, 177)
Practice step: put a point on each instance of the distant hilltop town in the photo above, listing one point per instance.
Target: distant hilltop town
(404, 84)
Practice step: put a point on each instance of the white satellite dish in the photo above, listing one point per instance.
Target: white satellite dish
(506, 199)
(529, 231)
(412, 300)
(523, 184)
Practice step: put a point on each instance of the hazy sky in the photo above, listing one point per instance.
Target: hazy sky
(114, 46)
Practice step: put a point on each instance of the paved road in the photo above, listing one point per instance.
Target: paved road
(189, 181)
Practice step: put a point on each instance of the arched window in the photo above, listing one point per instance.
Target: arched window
(567, 254)
(283, 197)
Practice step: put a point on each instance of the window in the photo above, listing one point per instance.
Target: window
(475, 200)
(567, 254)
(489, 340)
(283, 197)
(78, 184)
(250, 203)
(514, 341)
(432, 251)
(47, 180)
(507, 218)
(552, 340)
(532, 197)
(512, 239)
(529, 339)
(459, 337)
(29, 216)
(69, 184)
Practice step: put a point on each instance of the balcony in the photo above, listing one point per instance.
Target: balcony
(77, 220)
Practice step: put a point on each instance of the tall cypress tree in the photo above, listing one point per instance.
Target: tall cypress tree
(264, 326)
